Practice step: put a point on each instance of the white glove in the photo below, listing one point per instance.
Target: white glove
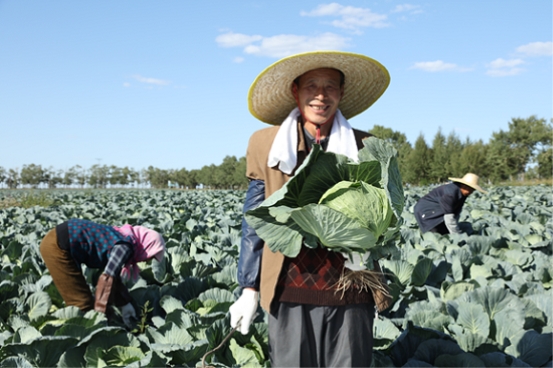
(355, 261)
(129, 315)
(243, 310)
(452, 223)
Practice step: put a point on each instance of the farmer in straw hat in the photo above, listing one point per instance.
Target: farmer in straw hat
(439, 210)
(307, 98)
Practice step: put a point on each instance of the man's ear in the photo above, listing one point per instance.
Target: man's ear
(294, 90)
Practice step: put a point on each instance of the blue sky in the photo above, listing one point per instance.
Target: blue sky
(164, 83)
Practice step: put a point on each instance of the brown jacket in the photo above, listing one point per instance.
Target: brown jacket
(257, 156)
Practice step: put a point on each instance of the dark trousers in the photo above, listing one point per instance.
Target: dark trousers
(440, 229)
(303, 335)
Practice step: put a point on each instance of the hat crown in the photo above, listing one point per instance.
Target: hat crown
(471, 178)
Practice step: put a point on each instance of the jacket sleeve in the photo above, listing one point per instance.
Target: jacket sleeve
(103, 293)
(251, 246)
(117, 258)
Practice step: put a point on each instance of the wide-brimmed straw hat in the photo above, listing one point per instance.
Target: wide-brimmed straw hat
(270, 97)
(471, 180)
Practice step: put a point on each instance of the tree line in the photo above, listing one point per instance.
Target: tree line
(230, 174)
(524, 151)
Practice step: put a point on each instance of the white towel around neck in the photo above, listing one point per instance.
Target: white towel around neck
(284, 149)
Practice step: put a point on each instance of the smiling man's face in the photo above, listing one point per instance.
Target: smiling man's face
(318, 93)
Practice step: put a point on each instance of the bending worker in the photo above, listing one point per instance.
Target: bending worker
(307, 98)
(115, 250)
(439, 210)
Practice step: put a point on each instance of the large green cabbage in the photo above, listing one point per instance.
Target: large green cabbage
(363, 202)
(337, 203)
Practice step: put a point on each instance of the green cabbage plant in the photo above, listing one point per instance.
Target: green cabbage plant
(337, 203)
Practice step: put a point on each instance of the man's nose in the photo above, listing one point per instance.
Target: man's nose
(320, 92)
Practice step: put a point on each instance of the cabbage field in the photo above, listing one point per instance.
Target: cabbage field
(483, 300)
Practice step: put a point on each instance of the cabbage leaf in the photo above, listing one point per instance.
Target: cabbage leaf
(335, 202)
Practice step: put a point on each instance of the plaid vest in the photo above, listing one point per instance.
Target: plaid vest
(312, 277)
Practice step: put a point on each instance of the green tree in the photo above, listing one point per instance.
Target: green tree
(144, 177)
(545, 163)
(99, 176)
(208, 177)
(519, 146)
(82, 176)
(530, 136)
(157, 178)
(418, 163)
(115, 176)
(501, 163)
(439, 159)
(193, 179)
(70, 176)
(52, 177)
(239, 176)
(180, 177)
(128, 176)
(474, 159)
(13, 179)
(227, 171)
(454, 147)
(32, 175)
(3, 175)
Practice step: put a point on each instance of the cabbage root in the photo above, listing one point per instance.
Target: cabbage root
(362, 281)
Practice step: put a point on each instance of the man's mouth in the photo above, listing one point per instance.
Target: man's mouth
(319, 108)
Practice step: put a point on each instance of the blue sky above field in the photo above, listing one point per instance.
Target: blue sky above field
(164, 83)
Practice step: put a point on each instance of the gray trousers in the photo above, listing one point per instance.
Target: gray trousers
(302, 335)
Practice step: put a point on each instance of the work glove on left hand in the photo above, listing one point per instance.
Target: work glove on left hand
(243, 310)
(129, 315)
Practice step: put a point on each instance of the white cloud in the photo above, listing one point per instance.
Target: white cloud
(437, 66)
(324, 9)
(507, 67)
(231, 39)
(502, 63)
(350, 17)
(126, 84)
(406, 8)
(536, 49)
(284, 45)
(155, 81)
(238, 59)
(503, 68)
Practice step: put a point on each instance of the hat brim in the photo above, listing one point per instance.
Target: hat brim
(473, 186)
(270, 96)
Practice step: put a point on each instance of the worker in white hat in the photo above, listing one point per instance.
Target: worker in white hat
(308, 98)
(439, 210)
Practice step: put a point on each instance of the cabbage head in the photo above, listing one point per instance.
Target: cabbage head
(362, 202)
